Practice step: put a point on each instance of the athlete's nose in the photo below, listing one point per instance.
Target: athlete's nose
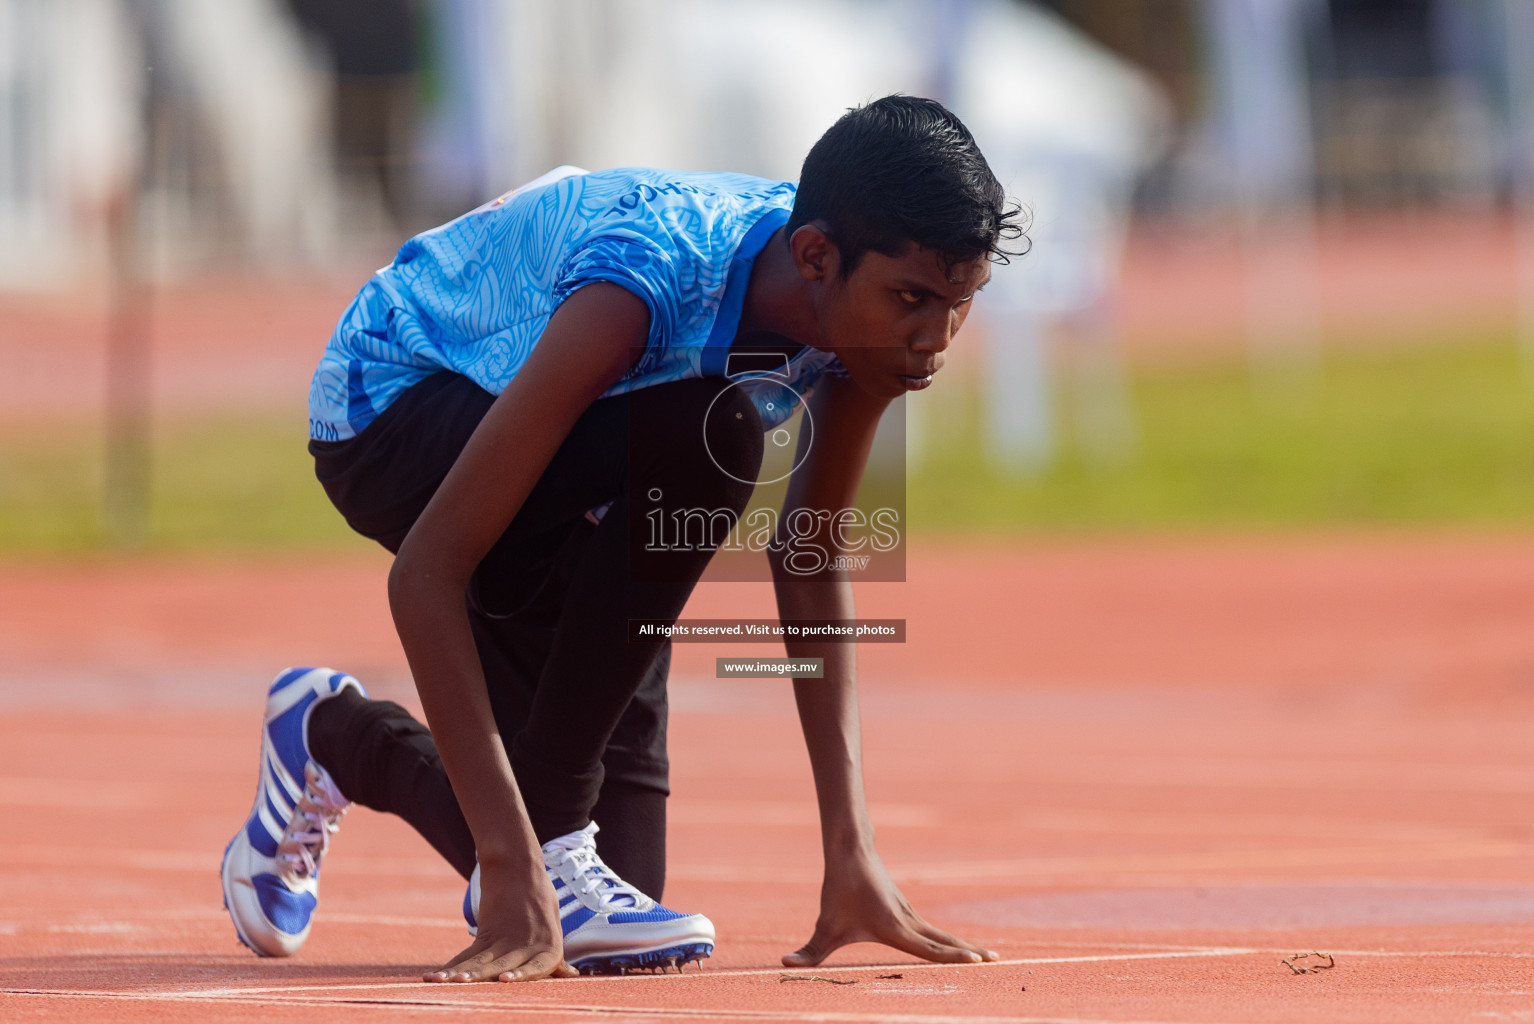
(934, 337)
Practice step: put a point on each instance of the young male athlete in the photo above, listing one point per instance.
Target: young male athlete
(499, 407)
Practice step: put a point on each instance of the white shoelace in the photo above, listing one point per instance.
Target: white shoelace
(315, 819)
(574, 858)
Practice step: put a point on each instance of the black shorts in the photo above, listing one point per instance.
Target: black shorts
(381, 481)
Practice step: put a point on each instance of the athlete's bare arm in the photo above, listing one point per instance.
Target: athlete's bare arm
(591, 341)
(858, 901)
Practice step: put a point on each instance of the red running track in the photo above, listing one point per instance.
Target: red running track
(1143, 772)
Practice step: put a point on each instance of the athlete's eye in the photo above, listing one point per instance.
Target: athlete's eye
(910, 297)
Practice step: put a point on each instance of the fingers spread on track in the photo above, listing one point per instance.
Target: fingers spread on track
(486, 963)
(545, 964)
(940, 936)
(931, 949)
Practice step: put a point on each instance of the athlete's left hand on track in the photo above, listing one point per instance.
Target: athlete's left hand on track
(860, 903)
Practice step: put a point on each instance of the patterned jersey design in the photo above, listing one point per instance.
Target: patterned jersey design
(474, 295)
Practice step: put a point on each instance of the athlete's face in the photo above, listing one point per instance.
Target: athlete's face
(893, 317)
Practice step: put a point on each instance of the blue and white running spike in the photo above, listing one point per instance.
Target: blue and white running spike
(272, 865)
(609, 926)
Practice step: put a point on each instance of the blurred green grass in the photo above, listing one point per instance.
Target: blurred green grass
(227, 483)
(1440, 435)
(1428, 436)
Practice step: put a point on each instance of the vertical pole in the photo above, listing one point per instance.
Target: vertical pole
(126, 491)
(1020, 429)
(1263, 123)
(1105, 417)
(1518, 32)
(127, 384)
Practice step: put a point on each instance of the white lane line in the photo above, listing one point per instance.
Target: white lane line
(264, 990)
(544, 1009)
(746, 972)
(1156, 950)
(1409, 954)
(1083, 959)
(315, 994)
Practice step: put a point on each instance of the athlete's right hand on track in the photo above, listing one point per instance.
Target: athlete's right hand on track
(519, 934)
(859, 902)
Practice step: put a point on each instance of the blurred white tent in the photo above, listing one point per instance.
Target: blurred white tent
(725, 84)
(1259, 132)
(1069, 128)
(703, 84)
(262, 100)
(74, 76)
(69, 134)
(749, 86)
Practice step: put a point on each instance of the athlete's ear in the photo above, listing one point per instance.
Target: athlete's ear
(815, 255)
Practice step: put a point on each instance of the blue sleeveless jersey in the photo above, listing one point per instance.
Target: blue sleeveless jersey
(474, 295)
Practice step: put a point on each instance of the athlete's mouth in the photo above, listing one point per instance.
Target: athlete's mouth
(912, 382)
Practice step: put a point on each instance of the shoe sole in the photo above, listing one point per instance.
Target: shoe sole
(668, 956)
(673, 954)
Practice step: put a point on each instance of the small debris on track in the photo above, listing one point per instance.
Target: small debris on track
(1295, 963)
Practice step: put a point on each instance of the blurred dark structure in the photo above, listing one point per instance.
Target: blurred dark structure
(1408, 105)
(1408, 98)
(373, 48)
(1161, 36)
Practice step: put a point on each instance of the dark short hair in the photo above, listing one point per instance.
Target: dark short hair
(904, 169)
